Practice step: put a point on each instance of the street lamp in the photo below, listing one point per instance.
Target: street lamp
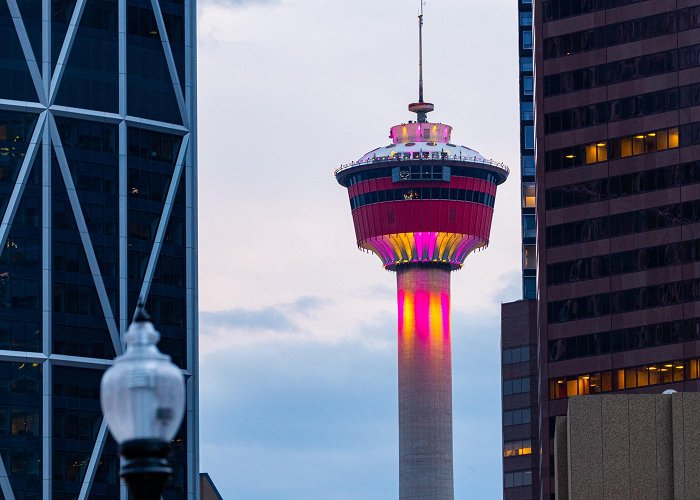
(143, 402)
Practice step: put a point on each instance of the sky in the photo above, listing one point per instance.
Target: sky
(298, 368)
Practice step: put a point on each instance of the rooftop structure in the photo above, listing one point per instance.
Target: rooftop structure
(422, 205)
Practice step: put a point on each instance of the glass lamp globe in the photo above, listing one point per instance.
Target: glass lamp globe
(143, 393)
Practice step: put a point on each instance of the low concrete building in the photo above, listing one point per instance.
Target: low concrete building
(641, 446)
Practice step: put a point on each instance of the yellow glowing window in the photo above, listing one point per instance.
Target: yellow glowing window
(673, 137)
(515, 448)
(625, 147)
(572, 387)
(528, 194)
(596, 152)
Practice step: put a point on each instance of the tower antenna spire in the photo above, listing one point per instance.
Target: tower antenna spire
(421, 108)
(420, 51)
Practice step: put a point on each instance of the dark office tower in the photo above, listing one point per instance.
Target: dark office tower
(519, 319)
(97, 209)
(618, 200)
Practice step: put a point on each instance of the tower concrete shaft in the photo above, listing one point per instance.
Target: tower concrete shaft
(425, 382)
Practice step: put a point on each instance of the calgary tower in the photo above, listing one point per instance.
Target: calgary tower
(422, 204)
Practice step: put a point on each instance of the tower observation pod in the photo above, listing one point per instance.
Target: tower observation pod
(422, 204)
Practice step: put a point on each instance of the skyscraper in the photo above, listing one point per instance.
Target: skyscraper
(98, 209)
(422, 204)
(519, 375)
(618, 204)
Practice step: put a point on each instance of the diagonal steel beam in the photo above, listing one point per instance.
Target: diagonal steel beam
(164, 219)
(27, 50)
(94, 461)
(21, 181)
(5, 486)
(85, 237)
(65, 49)
(24, 106)
(167, 50)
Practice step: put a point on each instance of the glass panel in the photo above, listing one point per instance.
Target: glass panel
(528, 190)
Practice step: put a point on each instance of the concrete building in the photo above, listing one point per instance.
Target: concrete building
(618, 201)
(519, 400)
(422, 205)
(97, 209)
(641, 446)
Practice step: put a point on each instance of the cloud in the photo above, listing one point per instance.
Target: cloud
(269, 318)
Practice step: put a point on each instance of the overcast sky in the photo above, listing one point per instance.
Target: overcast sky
(298, 327)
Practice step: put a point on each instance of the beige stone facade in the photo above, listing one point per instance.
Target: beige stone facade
(636, 446)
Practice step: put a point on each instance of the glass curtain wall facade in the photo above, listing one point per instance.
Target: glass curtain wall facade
(519, 319)
(98, 210)
(617, 101)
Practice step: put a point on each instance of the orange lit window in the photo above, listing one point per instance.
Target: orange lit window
(528, 194)
(673, 137)
(515, 448)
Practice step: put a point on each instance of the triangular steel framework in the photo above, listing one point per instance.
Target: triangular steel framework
(44, 143)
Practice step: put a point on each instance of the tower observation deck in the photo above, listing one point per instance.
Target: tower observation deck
(422, 204)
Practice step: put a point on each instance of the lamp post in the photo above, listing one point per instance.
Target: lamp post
(143, 402)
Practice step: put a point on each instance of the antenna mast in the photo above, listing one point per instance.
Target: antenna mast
(420, 53)
(421, 108)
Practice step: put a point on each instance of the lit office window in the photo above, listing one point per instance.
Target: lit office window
(526, 19)
(528, 85)
(528, 195)
(526, 111)
(516, 448)
(526, 64)
(529, 257)
(527, 39)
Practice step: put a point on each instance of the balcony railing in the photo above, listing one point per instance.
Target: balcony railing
(423, 156)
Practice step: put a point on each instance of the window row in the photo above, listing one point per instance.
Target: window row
(516, 479)
(516, 355)
(516, 448)
(610, 188)
(18, 293)
(622, 224)
(421, 173)
(613, 149)
(79, 299)
(516, 386)
(625, 378)
(626, 339)
(622, 71)
(22, 252)
(455, 170)
(151, 145)
(622, 32)
(422, 194)
(19, 335)
(16, 128)
(630, 261)
(517, 417)
(622, 109)
(559, 9)
(622, 301)
(87, 135)
(18, 380)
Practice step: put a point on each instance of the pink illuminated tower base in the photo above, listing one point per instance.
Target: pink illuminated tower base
(425, 382)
